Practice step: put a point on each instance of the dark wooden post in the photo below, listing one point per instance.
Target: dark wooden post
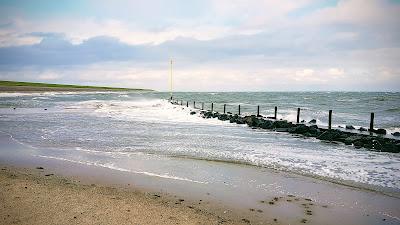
(239, 110)
(194, 104)
(181, 102)
(276, 112)
(202, 106)
(212, 106)
(298, 115)
(187, 103)
(224, 108)
(371, 124)
(330, 120)
(258, 110)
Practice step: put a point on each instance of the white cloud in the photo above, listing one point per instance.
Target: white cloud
(335, 72)
(49, 75)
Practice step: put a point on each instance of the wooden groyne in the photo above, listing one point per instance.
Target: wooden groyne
(375, 139)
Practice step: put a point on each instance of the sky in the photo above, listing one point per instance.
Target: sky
(215, 45)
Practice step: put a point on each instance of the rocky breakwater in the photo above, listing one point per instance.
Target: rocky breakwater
(358, 140)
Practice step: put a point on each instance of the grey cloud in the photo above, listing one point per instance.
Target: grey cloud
(293, 43)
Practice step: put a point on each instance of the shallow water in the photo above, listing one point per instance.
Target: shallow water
(103, 128)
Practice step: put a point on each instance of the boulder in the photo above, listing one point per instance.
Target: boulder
(379, 131)
(314, 130)
(252, 121)
(224, 117)
(300, 129)
(312, 121)
(281, 124)
(396, 134)
(192, 113)
(281, 129)
(330, 135)
(350, 127)
(266, 124)
(362, 129)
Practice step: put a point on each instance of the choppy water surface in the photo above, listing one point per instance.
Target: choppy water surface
(122, 125)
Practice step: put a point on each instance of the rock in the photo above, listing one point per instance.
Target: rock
(224, 117)
(282, 129)
(300, 129)
(396, 134)
(377, 142)
(330, 135)
(351, 139)
(192, 113)
(314, 130)
(39, 168)
(379, 131)
(362, 129)
(252, 121)
(281, 124)
(266, 124)
(312, 121)
(246, 220)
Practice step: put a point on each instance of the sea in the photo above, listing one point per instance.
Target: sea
(111, 129)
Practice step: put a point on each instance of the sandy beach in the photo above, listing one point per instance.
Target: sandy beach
(32, 196)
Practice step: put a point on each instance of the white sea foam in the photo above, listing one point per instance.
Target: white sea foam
(113, 167)
(155, 110)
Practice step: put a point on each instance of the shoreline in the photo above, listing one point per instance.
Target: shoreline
(237, 194)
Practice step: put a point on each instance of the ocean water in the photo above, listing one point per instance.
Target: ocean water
(102, 129)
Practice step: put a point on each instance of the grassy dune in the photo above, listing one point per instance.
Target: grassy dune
(21, 85)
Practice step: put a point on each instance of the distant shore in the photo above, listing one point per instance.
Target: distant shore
(14, 86)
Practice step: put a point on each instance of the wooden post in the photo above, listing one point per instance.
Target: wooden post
(276, 112)
(298, 115)
(187, 103)
(181, 102)
(330, 120)
(371, 124)
(258, 110)
(194, 104)
(239, 110)
(224, 108)
(212, 106)
(202, 106)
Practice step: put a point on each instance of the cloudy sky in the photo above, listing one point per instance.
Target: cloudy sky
(216, 45)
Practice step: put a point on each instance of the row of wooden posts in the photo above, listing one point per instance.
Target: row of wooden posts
(371, 125)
